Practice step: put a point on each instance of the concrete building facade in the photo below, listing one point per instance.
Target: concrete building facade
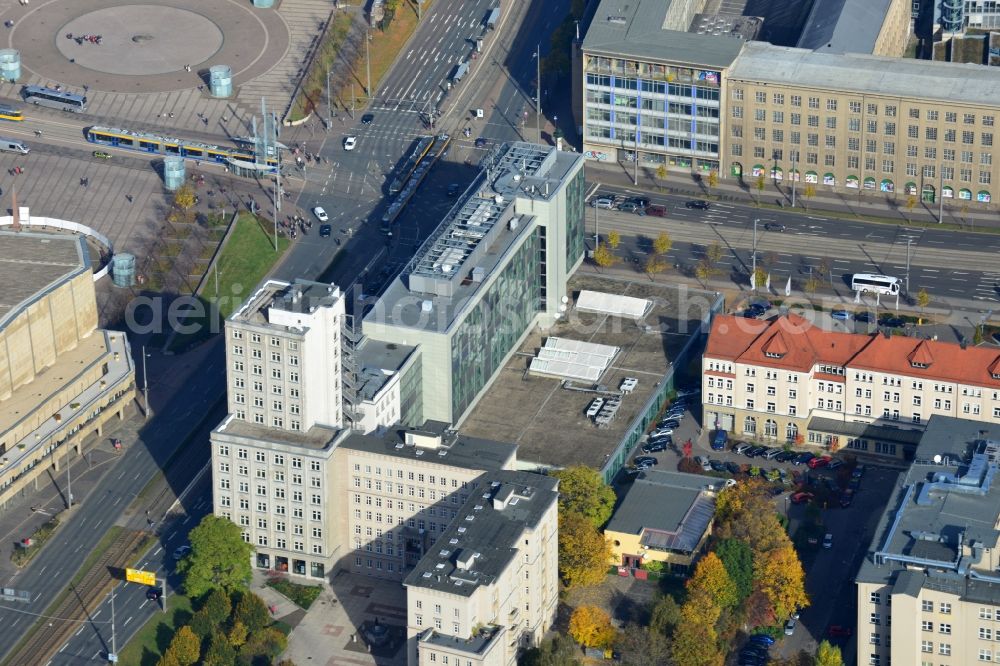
(928, 589)
(787, 381)
(61, 378)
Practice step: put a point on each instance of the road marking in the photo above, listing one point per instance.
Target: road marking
(78, 631)
(186, 519)
(63, 647)
(95, 615)
(127, 621)
(42, 570)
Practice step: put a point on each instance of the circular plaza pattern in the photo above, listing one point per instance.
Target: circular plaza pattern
(139, 39)
(146, 46)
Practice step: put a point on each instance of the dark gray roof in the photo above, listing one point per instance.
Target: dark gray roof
(638, 29)
(456, 449)
(864, 430)
(377, 363)
(941, 509)
(33, 264)
(484, 538)
(671, 510)
(475, 644)
(844, 26)
(861, 74)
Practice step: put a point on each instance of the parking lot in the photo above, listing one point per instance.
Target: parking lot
(809, 497)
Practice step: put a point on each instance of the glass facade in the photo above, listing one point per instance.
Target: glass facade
(411, 396)
(671, 112)
(576, 190)
(495, 324)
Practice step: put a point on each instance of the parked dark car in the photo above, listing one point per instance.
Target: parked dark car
(755, 451)
(653, 447)
(453, 189)
(802, 498)
(719, 440)
(732, 468)
(864, 317)
(641, 202)
(786, 456)
(891, 322)
(698, 204)
(763, 639)
(645, 461)
(803, 459)
(839, 631)
(717, 465)
(631, 207)
(656, 210)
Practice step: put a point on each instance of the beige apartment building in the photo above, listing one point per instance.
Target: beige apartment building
(787, 381)
(490, 587)
(928, 589)
(61, 378)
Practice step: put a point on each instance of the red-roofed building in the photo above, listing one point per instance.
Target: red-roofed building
(788, 381)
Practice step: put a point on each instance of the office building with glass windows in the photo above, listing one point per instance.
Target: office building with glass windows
(495, 267)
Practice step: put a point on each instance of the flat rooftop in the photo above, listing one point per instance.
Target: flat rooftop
(644, 29)
(947, 500)
(548, 422)
(867, 74)
(301, 296)
(486, 535)
(455, 449)
(31, 263)
(474, 237)
(377, 362)
(317, 438)
(844, 26)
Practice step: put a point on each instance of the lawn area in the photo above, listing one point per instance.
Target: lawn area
(301, 595)
(152, 640)
(246, 258)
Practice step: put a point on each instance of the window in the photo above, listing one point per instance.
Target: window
(946, 608)
(927, 625)
(985, 655)
(985, 633)
(944, 628)
(944, 648)
(927, 606)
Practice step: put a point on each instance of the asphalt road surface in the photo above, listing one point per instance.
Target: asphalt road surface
(947, 264)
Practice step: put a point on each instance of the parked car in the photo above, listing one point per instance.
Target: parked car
(816, 463)
(631, 207)
(697, 204)
(653, 447)
(732, 467)
(641, 202)
(763, 639)
(719, 440)
(688, 391)
(717, 465)
(656, 210)
(839, 631)
(842, 315)
(802, 497)
(790, 627)
(803, 458)
(662, 431)
(755, 451)
(835, 463)
(670, 423)
(786, 456)
(828, 540)
(101, 155)
(603, 202)
(453, 189)
(771, 453)
(181, 551)
(892, 322)
(741, 447)
(706, 465)
(646, 461)
(864, 317)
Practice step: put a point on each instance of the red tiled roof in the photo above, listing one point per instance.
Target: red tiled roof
(805, 345)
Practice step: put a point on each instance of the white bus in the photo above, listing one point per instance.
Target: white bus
(879, 284)
(57, 99)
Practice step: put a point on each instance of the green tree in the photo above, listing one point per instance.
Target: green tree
(202, 625)
(558, 650)
(219, 558)
(704, 269)
(237, 634)
(662, 243)
(779, 575)
(911, 201)
(264, 646)
(217, 606)
(582, 490)
(714, 253)
(168, 659)
(642, 646)
(584, 553)
(591, 626)
(185, 646)
(977, 336)
(712, 180)
(665, 615)
(711, 580)
(661, 172)
(604, 257)
(759, 277)
(184, 197)
(252, 612)
(811, 284)
(219, 652)
(614, 239)
(828, 655)
(759, 186)
(737, 557)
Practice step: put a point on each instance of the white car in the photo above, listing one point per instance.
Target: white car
(350, 142)
(321, 214)
(660, 432)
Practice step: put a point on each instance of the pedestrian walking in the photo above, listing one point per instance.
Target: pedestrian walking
(129, 197)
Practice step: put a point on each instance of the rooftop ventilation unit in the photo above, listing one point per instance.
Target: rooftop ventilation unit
(617, 20)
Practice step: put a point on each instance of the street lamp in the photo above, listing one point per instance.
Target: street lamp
(753, 258)
(145, 383)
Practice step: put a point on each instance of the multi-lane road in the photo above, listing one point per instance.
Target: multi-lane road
(949, 265)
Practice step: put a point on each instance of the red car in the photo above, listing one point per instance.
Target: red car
(839, 631)
(656, 211)
(816, 463)
(801, 498)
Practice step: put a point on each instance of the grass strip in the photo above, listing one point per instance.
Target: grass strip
(151, 641)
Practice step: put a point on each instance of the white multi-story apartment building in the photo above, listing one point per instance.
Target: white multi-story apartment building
(787, 381)
(929, 588)
(490, 586)
(284, 356)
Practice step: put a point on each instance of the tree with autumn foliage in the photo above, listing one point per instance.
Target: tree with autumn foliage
(604, 257)
(582, 490)
(779, 575)
(591, 626)
(695, 641)
(712, 581)
(584, 553)
(828, 655)
(745, 512)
